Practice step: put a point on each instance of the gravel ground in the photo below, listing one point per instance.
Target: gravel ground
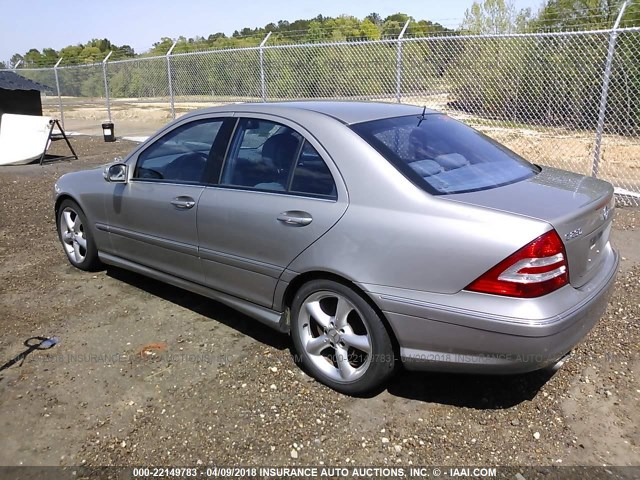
(219, 388)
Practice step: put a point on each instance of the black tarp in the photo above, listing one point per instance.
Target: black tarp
(20, 95)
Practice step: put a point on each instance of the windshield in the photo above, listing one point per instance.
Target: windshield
(442, 155)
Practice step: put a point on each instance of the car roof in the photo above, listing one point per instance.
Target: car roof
(345, 112)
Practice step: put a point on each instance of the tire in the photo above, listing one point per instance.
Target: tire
(76, 237)
(339, 338)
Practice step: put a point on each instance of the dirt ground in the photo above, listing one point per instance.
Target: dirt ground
(219, 388)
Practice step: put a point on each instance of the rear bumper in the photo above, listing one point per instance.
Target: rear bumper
(450, 336)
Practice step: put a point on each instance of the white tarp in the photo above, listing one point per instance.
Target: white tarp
(23, 138)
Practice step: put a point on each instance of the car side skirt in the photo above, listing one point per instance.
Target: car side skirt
(271, 318)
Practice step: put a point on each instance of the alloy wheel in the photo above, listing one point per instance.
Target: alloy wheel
(334, 334)
(73, 235)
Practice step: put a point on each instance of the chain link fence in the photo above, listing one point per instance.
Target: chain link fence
(569, 100)
(47, 77)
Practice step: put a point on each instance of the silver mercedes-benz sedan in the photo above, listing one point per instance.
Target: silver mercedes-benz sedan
(375, 234)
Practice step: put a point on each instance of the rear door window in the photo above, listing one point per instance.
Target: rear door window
(262, 156)
(312, 176)
(442, 155)
(269, 156)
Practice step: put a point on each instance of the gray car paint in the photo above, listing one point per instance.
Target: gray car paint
(232, 259)
(232, 219)
(411, 252)
(567, 201)
(145, 227)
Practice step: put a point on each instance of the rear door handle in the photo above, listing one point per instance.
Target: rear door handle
(183, 202)
(295, 218)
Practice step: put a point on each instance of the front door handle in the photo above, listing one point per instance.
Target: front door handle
(295, 218)
(183, 202)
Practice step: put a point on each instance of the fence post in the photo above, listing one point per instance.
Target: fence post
(263, 83)
(171, 102)
(55, 72)
(399, 62)
(106, 84)
(605, 90)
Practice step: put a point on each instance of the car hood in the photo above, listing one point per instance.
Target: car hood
(580, 208)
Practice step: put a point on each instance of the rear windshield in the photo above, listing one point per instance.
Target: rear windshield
(442, 155)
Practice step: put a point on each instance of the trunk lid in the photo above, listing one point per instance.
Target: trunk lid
(580, 209)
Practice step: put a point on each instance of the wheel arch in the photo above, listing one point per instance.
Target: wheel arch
(303, 278)
(91, 262)
(61, 198)
(67, 196)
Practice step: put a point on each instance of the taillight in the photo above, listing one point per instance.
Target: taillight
(538, 268)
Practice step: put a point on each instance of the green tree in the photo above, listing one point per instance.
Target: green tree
(33, 58)
(49, 56)
(546, 80)
(491, 17)
(316, 32)
(369, 30)
(488, 73)
(15, 59)
(398, 17)
(161, 47)
(90, 55)
(70, 54)
(215, 36)
(124, 51)
(568, 14)
(393, 24)
(374, 18)
(573, 14)
(344, 27)
(623, 113)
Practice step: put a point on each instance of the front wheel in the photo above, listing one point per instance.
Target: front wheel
(340, 338)
(76, 238)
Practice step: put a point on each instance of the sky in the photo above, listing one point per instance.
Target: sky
(55, 24)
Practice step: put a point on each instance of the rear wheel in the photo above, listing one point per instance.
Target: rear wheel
(340, 338)
(76, 238)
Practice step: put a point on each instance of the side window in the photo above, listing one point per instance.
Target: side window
(261, 156)
(181, 154)
(312, 176)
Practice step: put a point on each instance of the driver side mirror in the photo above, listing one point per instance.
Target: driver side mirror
(116, 173)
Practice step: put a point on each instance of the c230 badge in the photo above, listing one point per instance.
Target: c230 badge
(573, 234)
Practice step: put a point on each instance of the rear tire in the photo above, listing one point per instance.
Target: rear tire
(339, 337)
(76, 237)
